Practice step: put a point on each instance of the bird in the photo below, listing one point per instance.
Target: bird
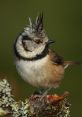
(35, 62)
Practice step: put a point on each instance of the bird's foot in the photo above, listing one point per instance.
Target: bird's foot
(45, 93)
(42, 91)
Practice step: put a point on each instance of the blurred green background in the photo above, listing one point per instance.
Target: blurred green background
(63, 23)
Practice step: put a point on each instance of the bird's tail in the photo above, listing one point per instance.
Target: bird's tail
(69, 63)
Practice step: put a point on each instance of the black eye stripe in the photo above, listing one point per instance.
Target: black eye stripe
(38, 41)
(25, 37)
(24, 45)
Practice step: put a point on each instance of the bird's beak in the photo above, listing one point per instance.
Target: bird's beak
(51, 42)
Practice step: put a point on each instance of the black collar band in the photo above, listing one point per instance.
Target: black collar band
(37, 57)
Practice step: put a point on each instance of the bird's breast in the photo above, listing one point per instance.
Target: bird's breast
(32, 71)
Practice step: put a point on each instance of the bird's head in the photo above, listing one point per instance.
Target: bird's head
(33, 41)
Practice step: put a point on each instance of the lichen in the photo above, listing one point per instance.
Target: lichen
(5, 94)
(8, 105)
(49, 106)
(20, 109)
(34, 106)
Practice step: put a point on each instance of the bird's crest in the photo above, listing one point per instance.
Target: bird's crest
(37, 26)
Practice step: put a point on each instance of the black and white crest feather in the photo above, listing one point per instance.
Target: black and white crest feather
(37, 26)
(39, 23)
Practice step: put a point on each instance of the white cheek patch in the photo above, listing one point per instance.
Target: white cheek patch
(28, 54)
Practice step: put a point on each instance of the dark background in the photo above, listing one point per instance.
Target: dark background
(63, 23)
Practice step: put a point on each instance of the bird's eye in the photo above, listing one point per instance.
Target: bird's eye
(26, 38)
(38, 41)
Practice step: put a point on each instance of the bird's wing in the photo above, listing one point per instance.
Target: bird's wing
(58, 60)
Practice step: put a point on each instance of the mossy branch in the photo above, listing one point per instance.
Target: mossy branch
(34, 106)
